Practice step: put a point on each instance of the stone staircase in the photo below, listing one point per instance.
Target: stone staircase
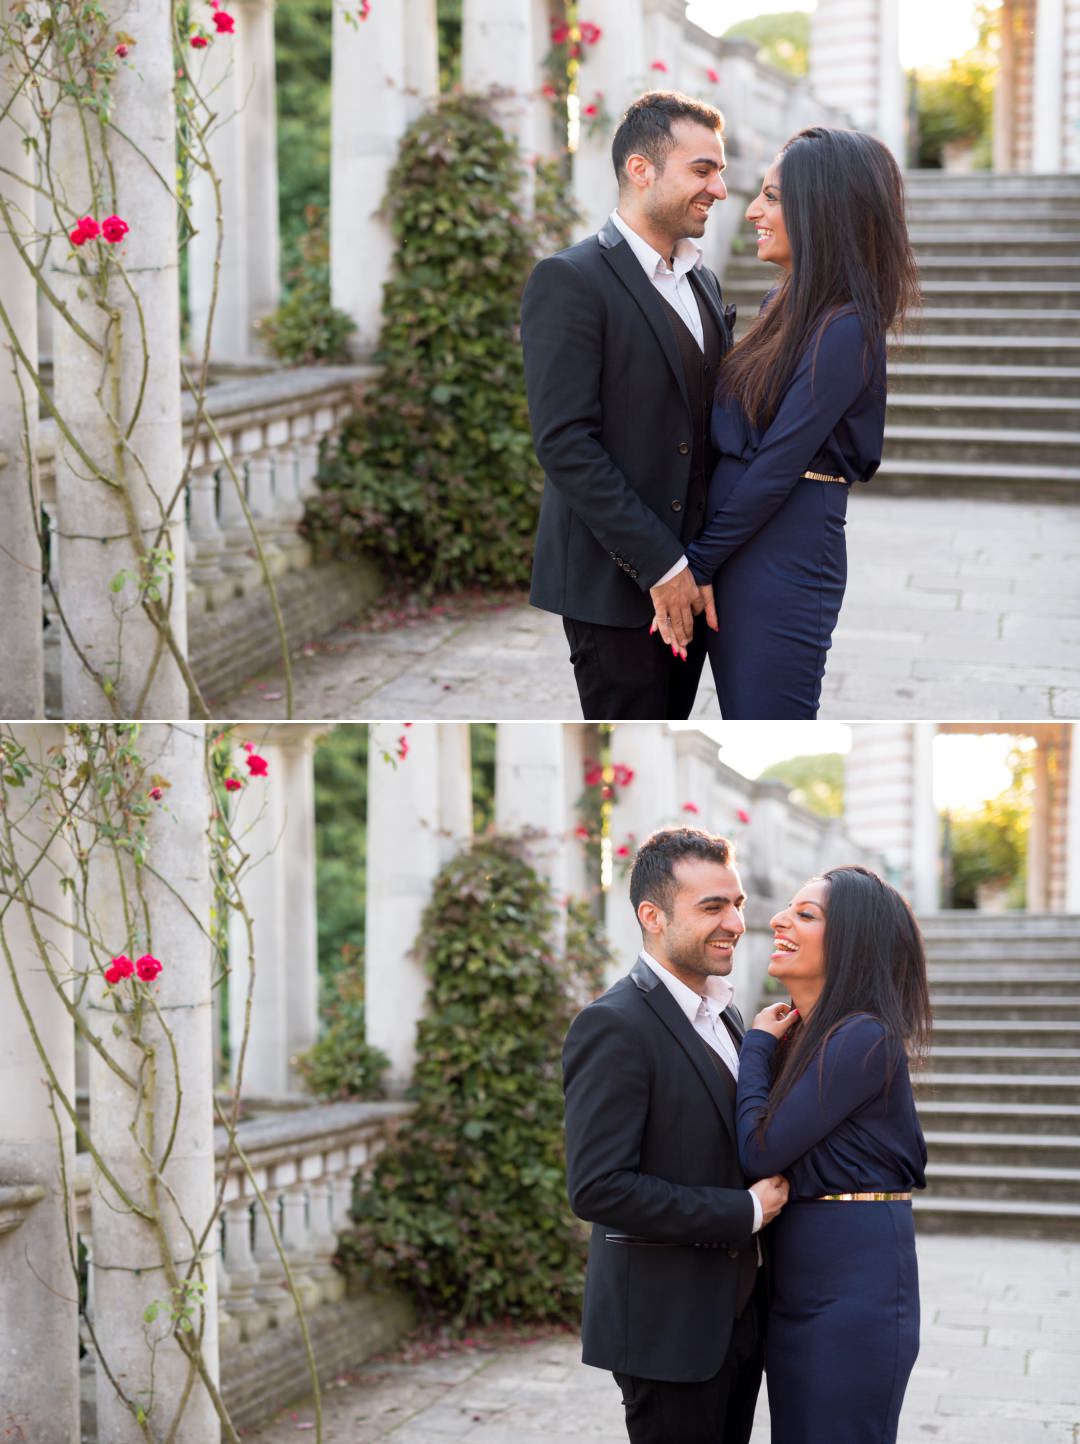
(984, 388)
(999, 1099)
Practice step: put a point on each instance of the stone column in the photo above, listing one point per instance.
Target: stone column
(421, 57)
(255, 23)
(1037, 897)
(141, 389)
(498, 54)
(577, 738)
(455, 788)
(617, 67)
(846, 55)
(665, 25)
(1048, 87)
(39, 1316)
(296, 749)
(216, 73)
(22, 658)
(530, 798)
(925, 894)
(403, 858)
(890, 82)
(368, 117)
(127, 1271)
(1072, 822)
(881, 785)
(1004, 123)
(651, 801)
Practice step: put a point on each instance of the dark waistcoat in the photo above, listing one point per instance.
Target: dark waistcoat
(700, 370)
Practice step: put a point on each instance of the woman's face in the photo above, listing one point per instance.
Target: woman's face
(765, 212)
(798, 954)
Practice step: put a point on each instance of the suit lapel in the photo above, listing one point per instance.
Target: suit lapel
(708, 291)
(659, 999)
(626, 266)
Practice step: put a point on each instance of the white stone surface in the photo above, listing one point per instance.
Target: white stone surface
(616, 67)
(500, 52)
(530, 799)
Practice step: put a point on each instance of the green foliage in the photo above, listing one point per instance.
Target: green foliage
(783, 40)
(816, 781)
(956, 103)
(988, 844)
(482, 752)
(340, 844)
(306, 328)
(302, 31)
(341, 1064)
(468, 1209)
(436, 471)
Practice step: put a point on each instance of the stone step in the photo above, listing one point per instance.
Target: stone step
(1034, 216)
(964, 348)
(1051, 1031)
(971, 185)
(1045, 295)
(1038, 1119)
(1016, 1150)
(962, 267)
(1017, 985)
(982, 380)
(988, 1058)
(1018, 1006)
(1056, 1088)
(992, 413)
(1001, 242)
(968, 923)
(938, 1214)
(937, 320)
(1003, 949)
(1017, 1182)
(995, 445)
(978, 479)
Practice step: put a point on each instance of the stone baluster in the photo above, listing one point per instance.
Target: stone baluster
(240, 1262)
(227, 1326)
(260, 474)
(295, 1235)
(307, 455)
(330, 1282)
(206, 536)
(271, 1290)
(238, 558)
(341, 1194)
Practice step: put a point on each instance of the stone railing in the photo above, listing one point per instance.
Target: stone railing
(303, 1162)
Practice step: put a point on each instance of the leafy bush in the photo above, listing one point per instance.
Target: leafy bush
(342, 1064)
(436, 471)
(306, 328)
(468, 1208)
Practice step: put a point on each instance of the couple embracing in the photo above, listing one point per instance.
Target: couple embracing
(696, 489)
(750, 1190)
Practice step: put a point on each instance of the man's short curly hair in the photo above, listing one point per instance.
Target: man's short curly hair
(645, 129)
(652, 877)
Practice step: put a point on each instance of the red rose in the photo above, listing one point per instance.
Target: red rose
(120, 967)
(590, 33)
(199, 42)
(78, 237)
(742, 815)
(364, 10)
(402, 748)
(690, 807)
(607, 793)
(582, 832)
(622, 851)
(560, 34)
(591, 110)
(249, 747)
(257, 766)
(713, 75)
(224, 22)
(548, 91)
(623, 775)
(147, 967)
(121, 50)
(156, 794)
(658, 65)
(575, 52)
(594, 774)
(114, 229)
(233, 784)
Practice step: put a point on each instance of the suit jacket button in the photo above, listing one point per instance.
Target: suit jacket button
(684, 448)
(676, 506)
(633, 572)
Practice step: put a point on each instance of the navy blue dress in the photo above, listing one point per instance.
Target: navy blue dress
(843, 1329)
(773, 541)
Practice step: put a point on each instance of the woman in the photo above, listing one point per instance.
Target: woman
(799, 415)
(824, 1097)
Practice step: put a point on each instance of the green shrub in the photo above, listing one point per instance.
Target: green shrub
(468, 1208)
(306, 328)
(436, 473)
(341, 1064)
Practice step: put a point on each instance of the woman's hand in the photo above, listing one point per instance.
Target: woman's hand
(776, 1019)
(709, 605)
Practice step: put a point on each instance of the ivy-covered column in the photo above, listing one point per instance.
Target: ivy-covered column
(404, 855)
(530, 799)
(650, 800)
(156, 1138)
(617, 70)
(21, 657)
(39, 1313)
(117, 377)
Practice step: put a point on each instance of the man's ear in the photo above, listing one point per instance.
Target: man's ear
(639, 171)
(650, 917)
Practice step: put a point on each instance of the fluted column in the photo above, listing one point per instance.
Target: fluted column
(39, 1315)
(21, 653)
(617, 67)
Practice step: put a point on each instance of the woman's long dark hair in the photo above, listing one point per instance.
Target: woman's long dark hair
(874, 963)
(843, 202)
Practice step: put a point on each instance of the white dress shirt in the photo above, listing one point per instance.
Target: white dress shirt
(703, 1012)
(671, 277)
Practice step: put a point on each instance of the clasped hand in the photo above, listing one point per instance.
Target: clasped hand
(676, 603)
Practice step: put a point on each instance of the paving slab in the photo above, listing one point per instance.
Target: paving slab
(955, 609)
(999, 1364)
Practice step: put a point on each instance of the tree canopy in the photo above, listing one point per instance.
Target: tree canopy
(816, 781)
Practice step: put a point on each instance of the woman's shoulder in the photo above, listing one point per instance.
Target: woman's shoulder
(856, 1031)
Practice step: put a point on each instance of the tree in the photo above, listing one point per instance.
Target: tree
(816, 782)
(784, 39)
(956, 103)
(988, 844)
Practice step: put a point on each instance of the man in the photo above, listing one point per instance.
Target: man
(674, 1305)
(623, 334)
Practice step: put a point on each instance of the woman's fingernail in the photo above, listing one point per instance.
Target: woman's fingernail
(652, 626)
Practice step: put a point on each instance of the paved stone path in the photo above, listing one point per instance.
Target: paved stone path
(999, 1364)
(955, 609)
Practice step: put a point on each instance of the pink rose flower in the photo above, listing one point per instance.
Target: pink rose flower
(742, 814)
(114, 229)
(690, 807)
(199, 42)
(257, 766)
(233, 784)
(659, 65)
(224, 22)
(590, 33)
(147, 967)
(121, 50)
(120, 967)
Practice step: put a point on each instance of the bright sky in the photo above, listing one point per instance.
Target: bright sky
(931, 31)
(967, 768)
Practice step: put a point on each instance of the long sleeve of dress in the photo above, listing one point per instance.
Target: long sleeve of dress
(824, 386)
(852, 1072)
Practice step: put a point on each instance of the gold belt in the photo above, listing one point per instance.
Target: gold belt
(862, 1197)
(821, 476)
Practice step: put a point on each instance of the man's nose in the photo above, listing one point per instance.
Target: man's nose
(717, 188)
(735, 922)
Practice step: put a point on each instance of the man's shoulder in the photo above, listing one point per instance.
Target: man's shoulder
(582, 255)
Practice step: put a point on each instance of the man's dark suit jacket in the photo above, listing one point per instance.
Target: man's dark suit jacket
(652, 1161)
(612, 428)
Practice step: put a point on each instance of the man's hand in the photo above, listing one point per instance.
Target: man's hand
(676, 603)
(772, 1194)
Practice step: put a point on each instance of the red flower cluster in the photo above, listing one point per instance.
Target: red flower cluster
(560, 34)
(156, 794)
(233, 784)
(623, 775)
(146, 968)
(257, 766)
(591, 109)
(590, 33)
(659, 65)
(199, 42)
(690, 807)
(121, 50)
(582, 831)
(224, 22)
(111, 229)
(622, 850)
